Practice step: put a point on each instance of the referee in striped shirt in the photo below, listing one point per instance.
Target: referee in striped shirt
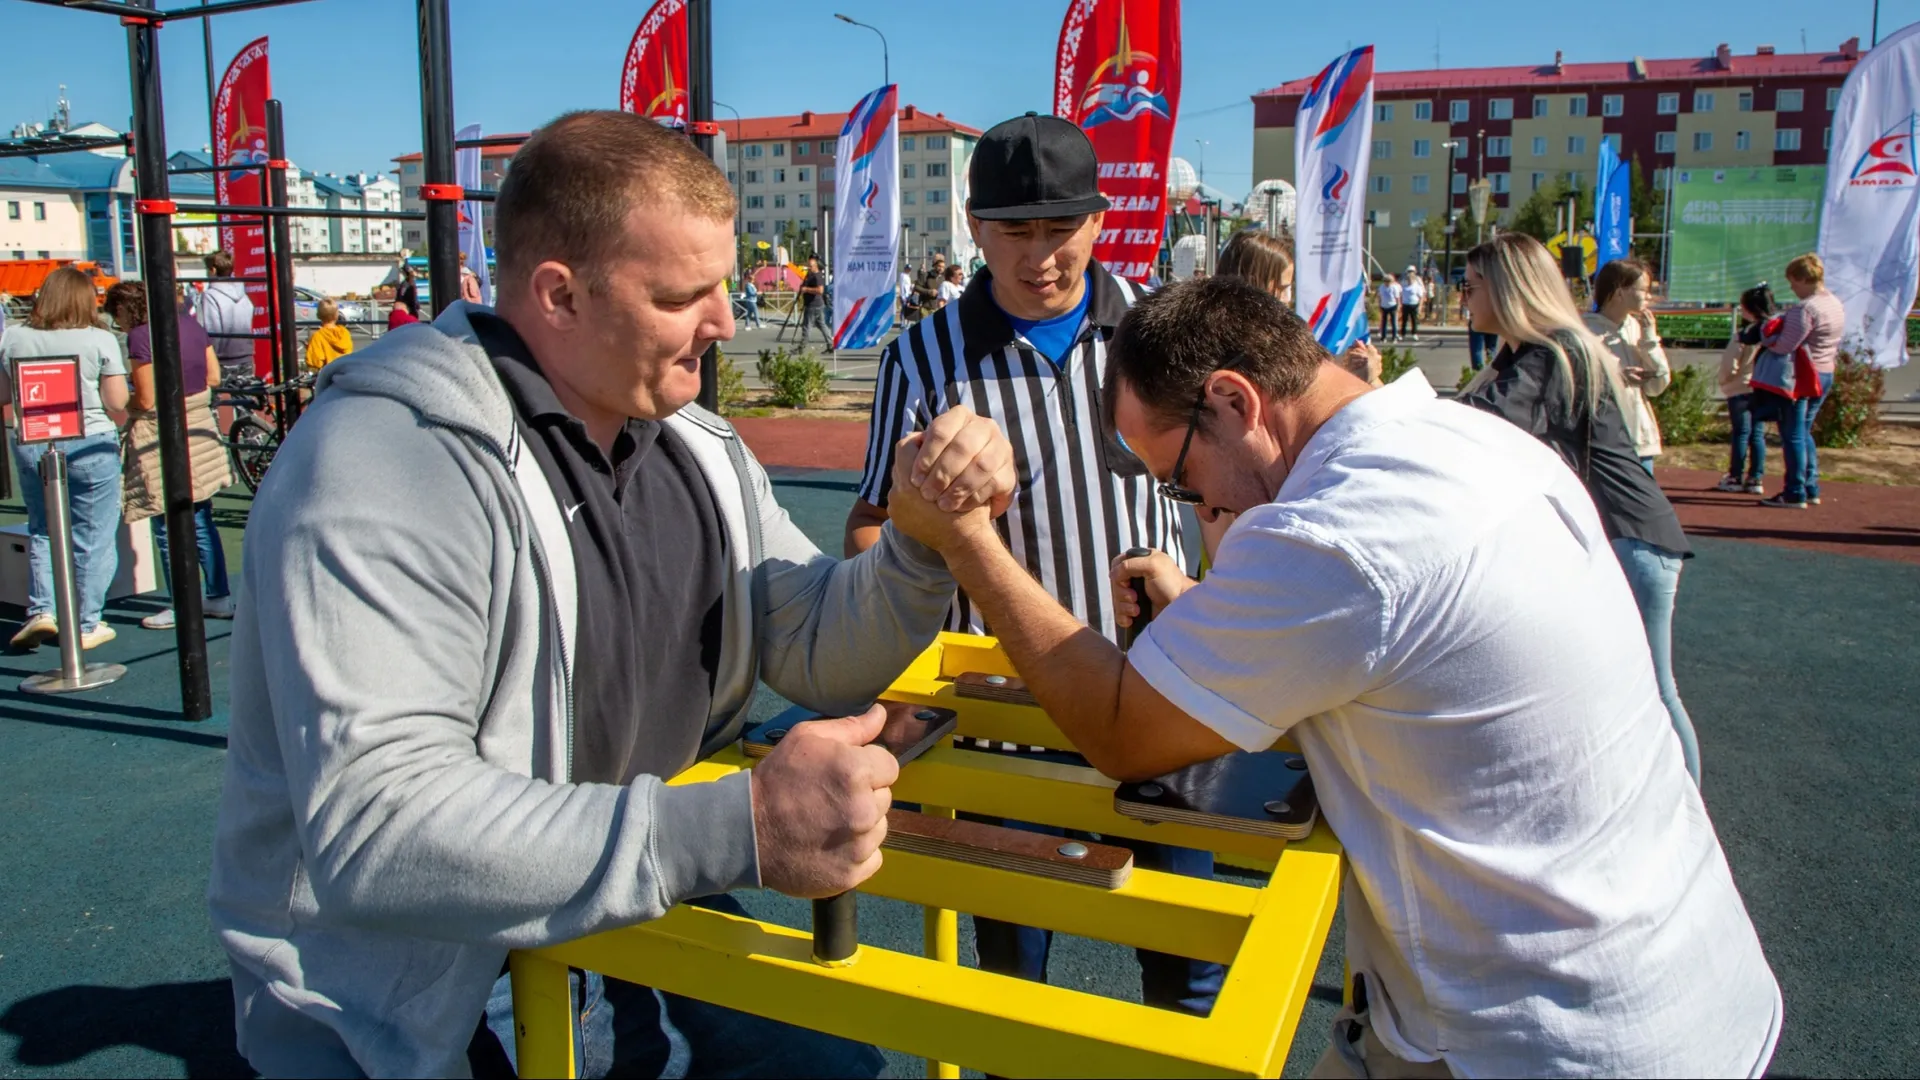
(1026, 347)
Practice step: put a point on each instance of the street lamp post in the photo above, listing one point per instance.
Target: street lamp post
(886, 63)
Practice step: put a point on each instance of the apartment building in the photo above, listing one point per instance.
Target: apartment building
(782, 168)
(1521, 128)
(360, 191)
(70, 206)
(493, 166)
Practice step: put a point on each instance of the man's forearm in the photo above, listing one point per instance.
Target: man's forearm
(1073, 672)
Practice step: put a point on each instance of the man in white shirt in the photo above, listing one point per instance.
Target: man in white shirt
(1413, 293)
(1389, 305)
(1427, 603)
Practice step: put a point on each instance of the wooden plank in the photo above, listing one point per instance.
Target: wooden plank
(1101, 865)
(980, 686)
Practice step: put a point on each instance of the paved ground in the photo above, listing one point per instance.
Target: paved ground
(1800, 668)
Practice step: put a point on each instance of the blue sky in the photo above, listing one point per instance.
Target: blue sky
(347, 69)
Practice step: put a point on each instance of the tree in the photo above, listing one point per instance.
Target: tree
(1538, 217)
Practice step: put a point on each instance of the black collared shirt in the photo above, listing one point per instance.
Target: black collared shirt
(1081, 498)
(650, 560)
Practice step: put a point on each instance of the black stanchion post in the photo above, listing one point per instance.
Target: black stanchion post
(155, 209)
(436, 159)
(700, 115)
(284, 308)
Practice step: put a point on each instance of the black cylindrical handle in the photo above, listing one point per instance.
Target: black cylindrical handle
(836, 928)
(1139, 587)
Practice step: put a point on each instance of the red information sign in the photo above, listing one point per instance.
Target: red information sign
(46, 391)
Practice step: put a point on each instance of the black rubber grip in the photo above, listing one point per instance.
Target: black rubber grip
(1139, 587)
(836, 927)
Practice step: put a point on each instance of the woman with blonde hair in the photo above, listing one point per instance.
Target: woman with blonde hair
(1626, 327)
(1554, 378)
(63, 324)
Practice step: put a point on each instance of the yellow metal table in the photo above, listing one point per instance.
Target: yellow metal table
(1270, 937)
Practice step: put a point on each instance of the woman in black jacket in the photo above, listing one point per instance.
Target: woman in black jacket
(1552, 377)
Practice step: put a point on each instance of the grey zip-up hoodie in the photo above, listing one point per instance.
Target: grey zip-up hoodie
(225, 308)
(396, 813)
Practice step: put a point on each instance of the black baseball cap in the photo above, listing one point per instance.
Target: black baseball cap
(1032, 167)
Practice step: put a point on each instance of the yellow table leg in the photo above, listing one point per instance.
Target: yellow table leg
(943, 945)
(542, 1017)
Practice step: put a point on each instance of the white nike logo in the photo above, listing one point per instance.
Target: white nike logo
(574, 509)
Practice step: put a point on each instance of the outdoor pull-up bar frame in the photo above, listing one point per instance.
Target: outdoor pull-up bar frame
(155, 209)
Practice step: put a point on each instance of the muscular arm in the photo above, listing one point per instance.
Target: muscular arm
(1115, 718)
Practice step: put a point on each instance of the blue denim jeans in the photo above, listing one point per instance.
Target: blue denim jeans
(1654, 575)
(1796, 443)
(93, 498)
(626, 1030)
(1747, 456)
(213, 558)
(1166, 982)
(1481, 348)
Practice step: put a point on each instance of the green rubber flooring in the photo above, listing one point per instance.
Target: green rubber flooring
(1801, 670)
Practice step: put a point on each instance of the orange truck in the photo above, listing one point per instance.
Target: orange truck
(22, 277)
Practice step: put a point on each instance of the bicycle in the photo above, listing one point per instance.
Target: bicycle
(251, 441)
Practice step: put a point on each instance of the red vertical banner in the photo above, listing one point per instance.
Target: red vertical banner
(1117, 75)
(653, 82)
(240, 138)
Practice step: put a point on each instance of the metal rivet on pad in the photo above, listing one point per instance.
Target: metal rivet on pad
(1297, 764)
(776, 734)
(1151, 791)
(1074, 850)
(996, 680)
(926, 714)
(1275, 806)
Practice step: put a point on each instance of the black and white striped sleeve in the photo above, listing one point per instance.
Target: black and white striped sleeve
(898, 402)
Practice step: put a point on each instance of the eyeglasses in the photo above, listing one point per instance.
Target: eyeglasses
(1466, 288)
(1171, 488)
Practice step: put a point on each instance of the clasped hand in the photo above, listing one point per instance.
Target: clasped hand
(951, 480)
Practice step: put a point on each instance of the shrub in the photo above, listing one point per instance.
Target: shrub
(795, 381)
(1685, 409)
(1395, 363)
(1851, 412)
(731, 385)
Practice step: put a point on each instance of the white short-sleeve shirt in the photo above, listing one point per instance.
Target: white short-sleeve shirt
(1389, 294)
(1413, 291)
(1431, 608)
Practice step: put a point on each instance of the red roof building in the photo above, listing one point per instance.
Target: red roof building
(1523, 127)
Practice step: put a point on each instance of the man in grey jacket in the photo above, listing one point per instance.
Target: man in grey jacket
(502, 582)
(226, 312)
